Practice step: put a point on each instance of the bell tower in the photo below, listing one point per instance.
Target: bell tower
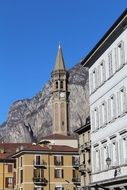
(60, 96)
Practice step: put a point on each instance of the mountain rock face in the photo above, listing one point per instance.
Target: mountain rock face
(31, 119)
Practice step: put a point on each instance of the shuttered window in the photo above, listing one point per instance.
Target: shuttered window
(110, 64)
(114, 149)
(9, 167)
(96, 118)
(9, 182)
(58, 160)
(122, 100)
(121, 54)
(102, 75)
(94, 79)
(59, 173)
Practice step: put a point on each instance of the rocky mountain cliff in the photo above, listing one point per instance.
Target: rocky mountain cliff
(31, 119)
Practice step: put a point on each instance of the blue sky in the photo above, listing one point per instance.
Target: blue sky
(30, 31)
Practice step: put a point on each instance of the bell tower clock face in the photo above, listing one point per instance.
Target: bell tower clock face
(62, 94)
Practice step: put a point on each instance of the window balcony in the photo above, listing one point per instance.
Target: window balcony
(41, 164)
(10, 186)
(87, 146)
(76, 180)
(82, 148)
(82, 168)
(40, 181)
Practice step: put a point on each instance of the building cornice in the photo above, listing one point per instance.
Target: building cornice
(108, 38)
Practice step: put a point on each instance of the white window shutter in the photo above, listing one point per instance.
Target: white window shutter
(124, 100)
(104, 71)
(117, 153)
(109, 110)
(114, 106)
(98, 76)
(116, 59)
(105, 114)
(122, 55)
(118, 103)
(100, 115)
(121, 151)
(91, 83)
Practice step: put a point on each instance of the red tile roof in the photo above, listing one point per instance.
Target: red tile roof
(10, 149)
(7, 149)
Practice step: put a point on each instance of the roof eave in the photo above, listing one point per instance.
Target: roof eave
(119, 24)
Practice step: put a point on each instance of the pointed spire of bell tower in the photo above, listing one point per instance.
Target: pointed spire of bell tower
(60, 95)
(59, 65)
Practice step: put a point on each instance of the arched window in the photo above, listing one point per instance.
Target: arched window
(61, 84)
(56, 84)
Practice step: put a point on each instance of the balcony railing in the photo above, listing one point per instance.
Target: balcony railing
(10, 185)
(40, 181)
(82, 168)
(76, 180)
(87, 145)
(82, 148)
(42, 164)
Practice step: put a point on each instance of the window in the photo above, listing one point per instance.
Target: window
(111, 108)
(96, 118)
(97, 160)
(122, 100)
(59, 187)
(114, 153)
(21, 176)
(61, 84)
(9, 167)
(104, 155)
(38, 160)
(38, 188)
(102, 72)
(76, 176)
(94, 79)
(75, 160)
(103, 113)
(59, 173)
(9, 182)
(110, 64)
(121, 55)
(123, 149)
(38, 173)
(56, 84)
(58, 160)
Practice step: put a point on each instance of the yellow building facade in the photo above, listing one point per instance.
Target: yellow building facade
(44, 168)
(6, 174)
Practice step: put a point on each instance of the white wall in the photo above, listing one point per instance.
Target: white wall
(112, 129)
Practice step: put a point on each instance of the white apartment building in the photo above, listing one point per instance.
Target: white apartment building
(107, 64)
